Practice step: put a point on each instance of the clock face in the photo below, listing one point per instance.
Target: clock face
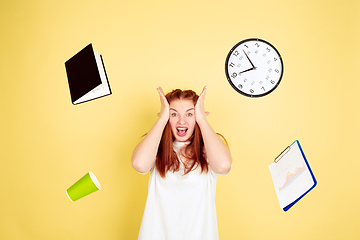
(254, 67)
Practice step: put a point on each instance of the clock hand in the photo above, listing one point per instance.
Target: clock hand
(247, 70)
(249, 60)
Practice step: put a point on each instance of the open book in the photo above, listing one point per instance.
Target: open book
(87, 76)
(292, 176)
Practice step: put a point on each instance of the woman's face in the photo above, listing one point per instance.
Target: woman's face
(182, 119)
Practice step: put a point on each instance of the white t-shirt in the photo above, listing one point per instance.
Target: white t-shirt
(180, 207)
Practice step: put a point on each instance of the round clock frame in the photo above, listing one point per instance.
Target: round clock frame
(254, 67)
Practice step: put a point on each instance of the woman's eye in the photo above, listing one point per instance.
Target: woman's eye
(173, 114)
(189, 114)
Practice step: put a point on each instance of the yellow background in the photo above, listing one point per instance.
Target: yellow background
(47, 143)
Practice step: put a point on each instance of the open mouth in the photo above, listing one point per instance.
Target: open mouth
(181, 131)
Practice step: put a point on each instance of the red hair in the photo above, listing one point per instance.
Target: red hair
(166, 158)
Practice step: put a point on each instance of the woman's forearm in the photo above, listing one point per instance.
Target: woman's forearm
(144, 155)
(218, 153)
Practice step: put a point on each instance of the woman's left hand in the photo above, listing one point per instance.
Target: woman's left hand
(200, 113)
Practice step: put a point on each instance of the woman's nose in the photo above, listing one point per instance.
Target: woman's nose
(182, 119)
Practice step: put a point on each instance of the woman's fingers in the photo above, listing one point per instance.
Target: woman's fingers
(164, 104)
(162, 96)
(203, 91)
(200, 106)
(161, 93)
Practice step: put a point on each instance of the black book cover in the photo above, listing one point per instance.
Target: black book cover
(82, 72)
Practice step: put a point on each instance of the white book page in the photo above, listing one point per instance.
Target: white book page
(291, 176)
(101, 90)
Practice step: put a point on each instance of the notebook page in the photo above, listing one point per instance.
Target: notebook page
(101, 90)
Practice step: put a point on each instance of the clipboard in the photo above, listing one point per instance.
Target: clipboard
(291, 175)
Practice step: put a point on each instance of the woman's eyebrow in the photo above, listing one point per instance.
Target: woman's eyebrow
(186, 110)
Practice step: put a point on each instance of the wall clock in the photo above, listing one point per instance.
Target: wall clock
(254, 67)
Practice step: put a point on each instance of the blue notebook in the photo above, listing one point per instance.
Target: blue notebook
(292, 176)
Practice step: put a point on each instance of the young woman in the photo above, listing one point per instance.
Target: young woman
(184, 156)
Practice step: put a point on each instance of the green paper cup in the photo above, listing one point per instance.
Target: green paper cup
(84, 186)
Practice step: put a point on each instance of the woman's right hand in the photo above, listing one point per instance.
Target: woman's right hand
(165, 109)
(144, 155)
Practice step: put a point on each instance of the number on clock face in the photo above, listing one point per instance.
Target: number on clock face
(254, 67)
